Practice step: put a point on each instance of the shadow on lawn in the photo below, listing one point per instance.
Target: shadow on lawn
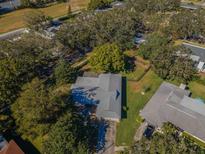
(124, 98)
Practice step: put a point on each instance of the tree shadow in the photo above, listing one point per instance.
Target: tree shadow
(129, 63)
(124, 98)
(4, 11)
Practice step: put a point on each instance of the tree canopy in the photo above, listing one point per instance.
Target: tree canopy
(155, 42)
(186, 24)
(155, 5)
(99, 4)
(167, 60)
(169, 141)
(90, 30)
(20, 61)
(35, 109)
(174, 63)
(64, 73)
(108, 58)
(63, 136)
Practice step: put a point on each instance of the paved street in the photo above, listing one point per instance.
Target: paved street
(12, 34)
(197, 50)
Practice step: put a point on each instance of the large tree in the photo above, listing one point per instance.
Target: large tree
(77, 35)
(63, 136)
(183, 68)
(174, 63)
(155, 43)
(20, 61)
(109, 27)
(108, 58)
(162, 62)
(35, 109)
(64, 73)
(187, 24)
(89, 30)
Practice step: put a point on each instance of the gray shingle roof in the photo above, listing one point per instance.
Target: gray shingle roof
(172, 104)
(107, 90)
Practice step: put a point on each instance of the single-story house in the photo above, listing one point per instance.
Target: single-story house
(197, 55)
(173, 104)
(104, 92)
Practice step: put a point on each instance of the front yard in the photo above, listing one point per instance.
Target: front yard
(135, 102)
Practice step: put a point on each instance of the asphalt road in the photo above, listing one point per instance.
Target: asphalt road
(12, 34)
(196, 50)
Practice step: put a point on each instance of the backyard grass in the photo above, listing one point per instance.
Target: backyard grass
(135, 102)
(197, 89)
(15, 19)
(136, 74)
(141, 66)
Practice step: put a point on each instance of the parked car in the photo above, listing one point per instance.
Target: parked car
(148, 131)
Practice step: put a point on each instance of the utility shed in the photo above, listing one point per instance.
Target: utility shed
(173, 104)
(104, 92)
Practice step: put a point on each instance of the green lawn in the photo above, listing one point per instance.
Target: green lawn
(141, 66)
(197, 89)
(135, 102)
(136, 74)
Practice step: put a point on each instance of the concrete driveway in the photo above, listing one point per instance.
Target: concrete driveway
(110, 139)
(140, 131)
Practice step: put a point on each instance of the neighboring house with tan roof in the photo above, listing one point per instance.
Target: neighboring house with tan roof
(11, 148)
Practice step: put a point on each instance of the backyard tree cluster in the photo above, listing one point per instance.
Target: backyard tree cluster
(187, 24)
(30, 101)
(90, 30)
(168, 61)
